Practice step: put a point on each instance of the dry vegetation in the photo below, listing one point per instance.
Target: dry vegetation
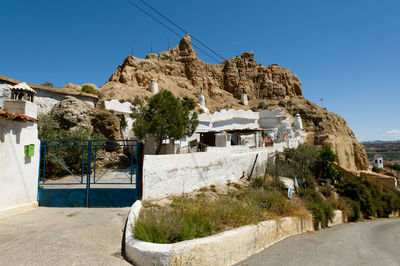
(214, 209)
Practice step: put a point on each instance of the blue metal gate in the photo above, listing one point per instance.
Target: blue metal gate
(89, 173)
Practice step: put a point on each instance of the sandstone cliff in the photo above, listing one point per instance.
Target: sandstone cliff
(268, 87)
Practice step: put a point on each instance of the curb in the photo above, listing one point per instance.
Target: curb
(223, 248)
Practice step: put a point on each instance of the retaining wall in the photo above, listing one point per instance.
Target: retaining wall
(174, 174)
(224, 248)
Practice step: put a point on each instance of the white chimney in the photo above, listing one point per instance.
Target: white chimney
(21, 101)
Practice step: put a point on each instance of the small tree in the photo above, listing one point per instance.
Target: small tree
(164, 117)
(323, 168)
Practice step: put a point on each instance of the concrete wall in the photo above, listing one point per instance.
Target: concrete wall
(18, 174)
(174, 174)
(224, 248)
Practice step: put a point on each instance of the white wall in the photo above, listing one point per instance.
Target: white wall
(18, 174)
(165, 175)
(174, 174)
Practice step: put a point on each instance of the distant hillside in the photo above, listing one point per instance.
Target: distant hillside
(389, 149)
(379, 141)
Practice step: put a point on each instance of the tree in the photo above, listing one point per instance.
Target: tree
(164, 117)
(189, 103)
(323, 168)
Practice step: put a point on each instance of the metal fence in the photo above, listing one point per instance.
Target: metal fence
(100, 169)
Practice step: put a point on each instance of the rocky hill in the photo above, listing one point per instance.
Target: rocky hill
(268, 87)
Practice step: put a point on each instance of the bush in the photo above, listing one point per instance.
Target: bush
(376, 169)
(326, 191)
(71, 156)
(395, 166)
(322, 213)
(88, 89)
(321, 209)
(355, 210)
(357, 191)
(366, 197)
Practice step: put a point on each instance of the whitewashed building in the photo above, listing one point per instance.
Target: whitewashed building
(46, 97)
(19, 151)
(378, 160)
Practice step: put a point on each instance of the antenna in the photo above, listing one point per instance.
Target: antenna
(322, 102)
(151, 47)
(133, 44)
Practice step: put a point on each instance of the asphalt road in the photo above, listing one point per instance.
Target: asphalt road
(366, 243)
(63, 236)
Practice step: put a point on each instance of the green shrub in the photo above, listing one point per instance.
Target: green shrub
(88, 89)
(310, 194)
(355, 210)
(72, 157)
(322, 213)
(365, 195)
(376, 169)
(321, 209)
(326, 191)
(356, 190)
(395, 166)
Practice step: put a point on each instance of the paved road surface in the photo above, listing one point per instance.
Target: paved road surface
(366, 243)
(63, 236)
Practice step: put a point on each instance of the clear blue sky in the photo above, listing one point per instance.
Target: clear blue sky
(346, 52)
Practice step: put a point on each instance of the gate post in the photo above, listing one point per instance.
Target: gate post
(40, 166)
(139, 172)
(88, 171)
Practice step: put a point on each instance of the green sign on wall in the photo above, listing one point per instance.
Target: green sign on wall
(29, 150)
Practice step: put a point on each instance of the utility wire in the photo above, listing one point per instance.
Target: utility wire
(169, 28)
(185, 31)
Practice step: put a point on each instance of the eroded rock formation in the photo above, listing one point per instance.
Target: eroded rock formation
(73, 114)
(267, 87)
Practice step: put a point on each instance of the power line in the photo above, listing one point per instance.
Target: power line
(169, 28)
(185, 31)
